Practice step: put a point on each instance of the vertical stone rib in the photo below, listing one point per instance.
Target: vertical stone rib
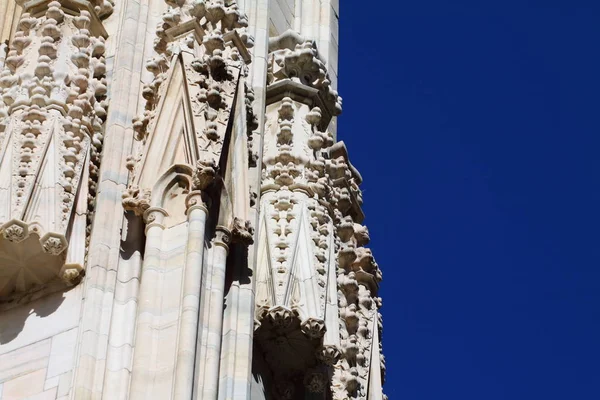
(215, 329)
(236, 352)
(149, 304)
(124, 61)
(188, 330)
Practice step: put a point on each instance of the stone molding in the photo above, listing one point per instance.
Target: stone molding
(222, 237)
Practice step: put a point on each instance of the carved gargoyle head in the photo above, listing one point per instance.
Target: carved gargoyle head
(205, 174)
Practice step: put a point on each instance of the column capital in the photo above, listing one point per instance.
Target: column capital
(196, 200)
(155, 216)
(222, 237)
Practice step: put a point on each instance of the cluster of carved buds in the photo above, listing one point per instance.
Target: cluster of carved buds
(210, 25)
(133, 198)
(337, 196)
(58, 94)
(305, 171)
(136, 199)
(284, 167)
(358, 279)
(103, 8)
(252, 124)
(302, 64)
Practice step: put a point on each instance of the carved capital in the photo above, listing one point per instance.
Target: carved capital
(222, 237)
(196, 200)
(154, 216)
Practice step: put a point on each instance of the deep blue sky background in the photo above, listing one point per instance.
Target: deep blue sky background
(476, 126)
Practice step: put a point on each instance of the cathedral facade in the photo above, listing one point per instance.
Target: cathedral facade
(177, 217)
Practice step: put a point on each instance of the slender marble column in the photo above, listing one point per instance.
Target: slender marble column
(188, 329)
(215, 319)
(148, 303)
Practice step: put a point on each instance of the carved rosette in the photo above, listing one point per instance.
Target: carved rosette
(329, 354)
(316, 381)
(52, 108)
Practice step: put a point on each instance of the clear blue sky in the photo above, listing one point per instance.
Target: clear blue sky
(476, 126)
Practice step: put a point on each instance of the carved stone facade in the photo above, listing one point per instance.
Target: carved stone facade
(177, 218)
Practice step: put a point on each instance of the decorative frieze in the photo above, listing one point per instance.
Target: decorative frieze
(52, 107)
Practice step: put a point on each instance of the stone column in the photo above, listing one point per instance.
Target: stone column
(188, 328)
(210, 383)
(148, 303)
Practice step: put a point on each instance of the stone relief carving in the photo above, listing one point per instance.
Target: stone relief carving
(202, 46)
(52, 108)
(311, 231)
(294, 61)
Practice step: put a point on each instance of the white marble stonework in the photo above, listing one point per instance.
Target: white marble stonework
(177, 217)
